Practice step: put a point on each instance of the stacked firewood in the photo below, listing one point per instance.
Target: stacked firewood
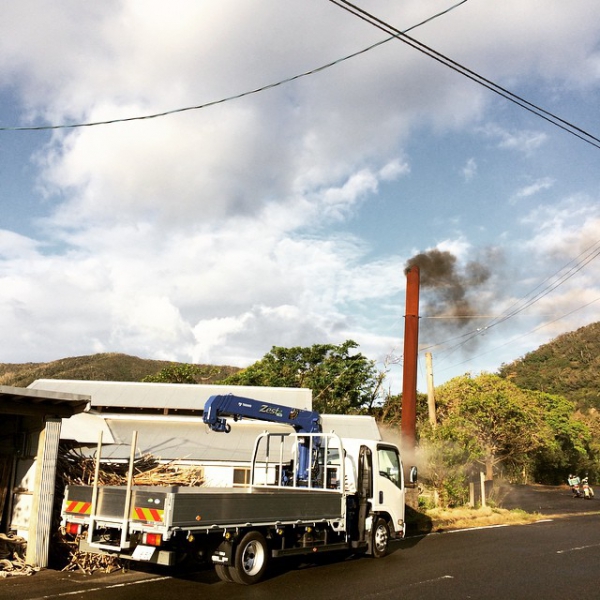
(12, 556)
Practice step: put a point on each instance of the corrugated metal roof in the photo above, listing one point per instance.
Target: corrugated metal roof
(25, 401)
(352, 426)
(168, 396)
(171, 438)
(85, 428)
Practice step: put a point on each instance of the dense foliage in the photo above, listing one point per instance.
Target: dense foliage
(342, 380)
(186, 373)
(524, 434)
(492, 419)
(488, 424)
(568, 366)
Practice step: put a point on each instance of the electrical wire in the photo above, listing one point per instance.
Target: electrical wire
(572, 268)
(229, 98)
(512, 340)
(470, 74)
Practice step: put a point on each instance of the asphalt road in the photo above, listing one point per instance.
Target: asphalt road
(541, 560)
(544, 499)
(547, 559)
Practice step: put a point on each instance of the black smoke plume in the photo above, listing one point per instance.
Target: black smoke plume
(451, 290)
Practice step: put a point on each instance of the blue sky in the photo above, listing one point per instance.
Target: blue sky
(287, 217)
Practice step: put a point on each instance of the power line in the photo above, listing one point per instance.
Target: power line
(228, 98)
(523, 334)
(466, 317)
(470, 74)
(573, 267)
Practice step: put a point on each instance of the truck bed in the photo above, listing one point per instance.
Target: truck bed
(204, 508)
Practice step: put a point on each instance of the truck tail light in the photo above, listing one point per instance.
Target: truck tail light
(73, 528)
(152, 539)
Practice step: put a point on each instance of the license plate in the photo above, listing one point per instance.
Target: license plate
(143, 553)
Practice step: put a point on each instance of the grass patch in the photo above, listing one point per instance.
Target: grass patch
(465, 517)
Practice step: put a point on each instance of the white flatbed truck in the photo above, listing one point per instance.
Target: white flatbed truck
(297, 503)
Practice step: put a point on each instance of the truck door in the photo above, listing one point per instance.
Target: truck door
(364, 488)
(389, 490)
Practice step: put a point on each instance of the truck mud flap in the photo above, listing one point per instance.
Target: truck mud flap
(223, 555)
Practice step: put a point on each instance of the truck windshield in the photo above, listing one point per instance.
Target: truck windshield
(389, 465)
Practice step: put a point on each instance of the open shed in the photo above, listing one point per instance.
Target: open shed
(29, 435)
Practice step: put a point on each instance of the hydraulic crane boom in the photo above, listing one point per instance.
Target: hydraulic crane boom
(238, 407)
(217, 408)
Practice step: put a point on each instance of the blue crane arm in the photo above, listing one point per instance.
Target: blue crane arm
(218, 407)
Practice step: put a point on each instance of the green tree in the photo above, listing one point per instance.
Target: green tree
(183, 373)
(567, 366)
(341, 379)
(494, 419)
(389, 411)
(446, 466)
(568, 449)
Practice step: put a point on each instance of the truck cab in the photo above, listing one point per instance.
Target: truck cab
(380, 486)
(374, 507)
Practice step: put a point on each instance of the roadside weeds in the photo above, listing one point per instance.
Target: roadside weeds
(445, 519)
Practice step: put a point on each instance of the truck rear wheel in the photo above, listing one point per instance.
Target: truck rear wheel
(251, 559)
(224, 573)
(381, 538)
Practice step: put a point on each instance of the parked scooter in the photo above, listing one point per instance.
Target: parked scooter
(574, 482)
(588, 492)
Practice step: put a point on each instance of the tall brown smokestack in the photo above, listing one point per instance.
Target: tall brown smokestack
(411, 349)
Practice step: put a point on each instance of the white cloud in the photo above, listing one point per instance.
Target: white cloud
(394, 169)
(534, 188)
(561, 272)
(470, 169)
(523, 141)
(213, 234)
(13, 245)
(564, 229)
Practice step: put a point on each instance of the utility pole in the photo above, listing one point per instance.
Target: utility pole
(430, 389)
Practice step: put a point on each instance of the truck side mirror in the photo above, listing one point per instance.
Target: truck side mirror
(413, 475)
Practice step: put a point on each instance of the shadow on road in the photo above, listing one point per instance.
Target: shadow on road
(417, 523)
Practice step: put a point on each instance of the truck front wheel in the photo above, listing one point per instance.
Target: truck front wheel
(251, 559)
(381, 538)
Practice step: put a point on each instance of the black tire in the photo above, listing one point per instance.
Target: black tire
(380, 538)
(223, 572)
(251, 559)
